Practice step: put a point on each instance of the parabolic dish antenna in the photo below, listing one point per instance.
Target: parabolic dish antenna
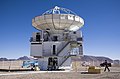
(57, 20)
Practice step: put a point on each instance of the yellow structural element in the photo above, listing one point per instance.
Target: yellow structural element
(93, 70)
(37, 68)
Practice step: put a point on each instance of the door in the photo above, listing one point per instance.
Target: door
(52, 63)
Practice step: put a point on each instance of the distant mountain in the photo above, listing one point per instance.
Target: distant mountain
(20, 58)
(3, 59)
(24, 58)
(93, 60)
(88, 58)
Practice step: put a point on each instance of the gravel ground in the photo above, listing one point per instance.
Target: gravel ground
(114, 74)
(64, 75)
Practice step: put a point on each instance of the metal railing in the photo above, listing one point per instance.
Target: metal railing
(61, 47)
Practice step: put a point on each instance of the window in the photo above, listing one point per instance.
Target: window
(37, 36)
(54, 49)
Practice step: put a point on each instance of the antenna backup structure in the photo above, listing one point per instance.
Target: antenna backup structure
(59, 38)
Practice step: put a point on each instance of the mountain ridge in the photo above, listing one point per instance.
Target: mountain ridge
(83, 58)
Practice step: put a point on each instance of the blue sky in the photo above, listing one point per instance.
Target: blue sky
(101, 30)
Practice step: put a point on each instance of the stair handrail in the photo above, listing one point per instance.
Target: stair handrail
(65, 45)
(67, 56)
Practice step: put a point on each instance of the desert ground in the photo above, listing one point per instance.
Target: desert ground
(76, 73)
(114, 74)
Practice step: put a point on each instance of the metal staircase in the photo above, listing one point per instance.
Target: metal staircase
(65, 54)
(66, 57)
(64, 46)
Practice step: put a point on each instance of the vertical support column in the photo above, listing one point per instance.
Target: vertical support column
(42, 39)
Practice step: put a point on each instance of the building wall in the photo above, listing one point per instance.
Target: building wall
(43, 63)
(36, 50)
(46, 48)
